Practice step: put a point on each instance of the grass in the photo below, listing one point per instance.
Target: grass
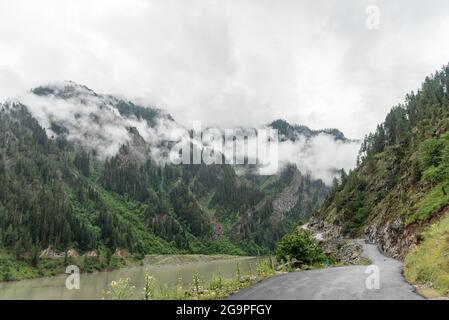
(431, 203)
(428, 293)
(161, 259)
(428, 263)
(198, 289)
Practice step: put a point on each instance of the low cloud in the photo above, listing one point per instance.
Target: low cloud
(92, 121)
(321, 156)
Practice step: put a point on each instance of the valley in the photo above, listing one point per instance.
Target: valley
(86, 177)
(190, 155)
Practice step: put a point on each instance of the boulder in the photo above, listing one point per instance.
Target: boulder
(50, 253)
(72, 253)
(92, 253)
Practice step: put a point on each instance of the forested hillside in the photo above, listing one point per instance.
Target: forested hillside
(398, 195)
(78, 172)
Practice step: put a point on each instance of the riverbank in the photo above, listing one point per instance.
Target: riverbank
(344, 253)
(169, 274)
(21, 269)
(161, 259)
(198, 287)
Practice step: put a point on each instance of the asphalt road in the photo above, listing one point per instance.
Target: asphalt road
(340, 283)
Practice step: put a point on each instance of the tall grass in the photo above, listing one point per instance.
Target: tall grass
(431, 203)
(428, 263)
(198, 289)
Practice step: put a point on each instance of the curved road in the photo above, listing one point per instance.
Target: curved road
(344, 283)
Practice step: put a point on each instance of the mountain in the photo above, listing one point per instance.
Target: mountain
(85, 171)
(294, 132)
(398, 195)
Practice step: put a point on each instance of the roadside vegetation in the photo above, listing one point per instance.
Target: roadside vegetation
(399, 192)
(301, 251)
(298, 249)
(428, 263)
(197, 289)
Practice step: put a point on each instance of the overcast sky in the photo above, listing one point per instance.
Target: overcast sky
(231, 63)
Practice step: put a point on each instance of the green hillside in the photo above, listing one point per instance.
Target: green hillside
(58, 195)
(398, 195)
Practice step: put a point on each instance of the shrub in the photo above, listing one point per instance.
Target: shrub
(431, 152)
(300, 245)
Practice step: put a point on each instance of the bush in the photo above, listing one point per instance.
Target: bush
(434, 159)
(299, 245)
(431, 152)
(264, 269)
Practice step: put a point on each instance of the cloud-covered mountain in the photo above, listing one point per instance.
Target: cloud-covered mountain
(90, 171)
(98, 122)
(103, 123)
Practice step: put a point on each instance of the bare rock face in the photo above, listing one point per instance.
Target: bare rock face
(50, 253)
(344, 251)
(72, 253)
(391, 234)
(350, 252)
(288, 197)
(388, 237)
(395, 238)
(120, 253)
(332, 232)
(327, 230)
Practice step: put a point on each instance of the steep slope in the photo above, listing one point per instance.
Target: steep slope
(398, 192)
(48, 197)
(289, 199)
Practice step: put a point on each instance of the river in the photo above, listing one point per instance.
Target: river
(92, 285)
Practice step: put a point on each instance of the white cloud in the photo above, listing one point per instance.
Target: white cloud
(230, 62)
(105, 133)
(321, 156)
(92, 121)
